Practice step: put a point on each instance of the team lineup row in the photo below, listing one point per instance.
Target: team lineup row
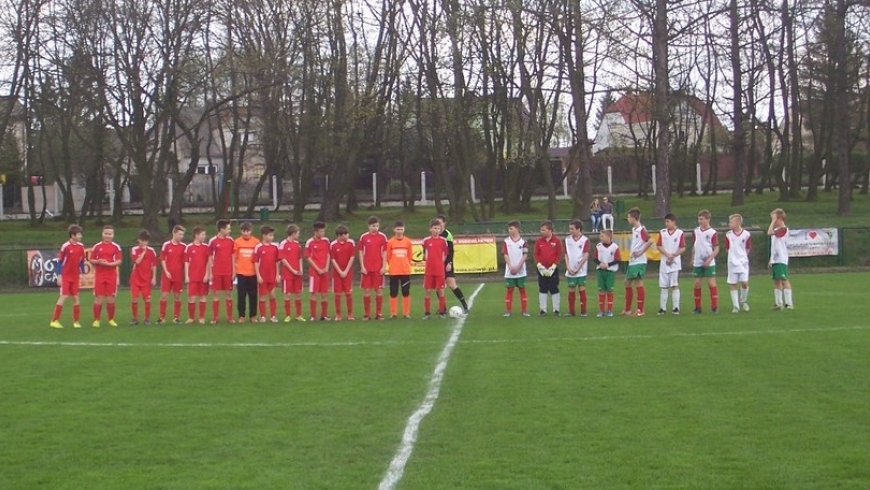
(258, 268)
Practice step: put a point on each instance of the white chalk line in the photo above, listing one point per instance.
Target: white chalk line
(364, 343)
(409, 436)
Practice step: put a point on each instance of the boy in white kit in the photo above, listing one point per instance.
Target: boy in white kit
(737, 243)
(576, 266)
(778, 233)
(704, 252)
(671, 244)
(516, 253)
(640, 243)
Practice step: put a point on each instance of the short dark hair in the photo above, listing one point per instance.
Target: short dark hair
(634, 213)
(704, 213)
(547, 224)
(514, 223)
(74, 230)
(222, 223)
(292, 229)
(398, 224)
(143, 236)
(373, 220)
(177, 228)
(198, 230)
(341, 230)
(442, 218)
(108, 227)
(434, 222)
(319, 225)
(670, 217)
(246, 226)
(576, 223)
(266, 229)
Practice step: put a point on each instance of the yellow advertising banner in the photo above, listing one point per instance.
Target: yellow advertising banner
(623, 240)
(470, 255)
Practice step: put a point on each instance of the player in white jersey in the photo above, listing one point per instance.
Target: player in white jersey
(606, 254)
(671, 244)
(640, 243)
(516, 252)
(778, 264)
(704, 252)
(576, 266)
(737, 243)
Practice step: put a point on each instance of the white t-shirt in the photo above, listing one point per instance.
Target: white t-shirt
(515, 250)
(671, 243)
(778, 250)
(607, 254)
(738, 250)
(639, 238)
(705, 242)
(574, 251)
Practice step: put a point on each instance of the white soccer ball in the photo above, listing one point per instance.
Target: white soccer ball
(456, 311)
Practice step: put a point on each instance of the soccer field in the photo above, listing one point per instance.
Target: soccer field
(758, 400)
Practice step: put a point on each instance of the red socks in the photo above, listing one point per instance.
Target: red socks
(509, 299)
(572, 298)
(629, 297)
(524, 300)
(697, 298)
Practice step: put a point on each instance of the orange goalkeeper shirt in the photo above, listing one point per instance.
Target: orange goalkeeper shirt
(399, 253)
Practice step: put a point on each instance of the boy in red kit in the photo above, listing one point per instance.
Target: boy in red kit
(291, 273)
(105, 257)
(317, 254)
(172, 280)
(196, 257)
(222, 269)
(266, 267)
(341, 252)
(548, 253)
(143, 277)
(373, 266)
(70, 261)
(435, 251)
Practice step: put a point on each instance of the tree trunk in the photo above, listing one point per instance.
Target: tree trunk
(844, 202)
(739, 136)
(661, 108)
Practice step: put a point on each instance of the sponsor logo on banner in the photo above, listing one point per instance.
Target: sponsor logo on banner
(812, 242)
(471, 255)
(623, 240)
(43, 270)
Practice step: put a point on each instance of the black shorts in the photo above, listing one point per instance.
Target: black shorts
(449, 272)
(549, 284)
(400, 282)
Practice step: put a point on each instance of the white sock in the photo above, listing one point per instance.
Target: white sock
(744, 295)
(675, 298)
(542, 300)
(777, 297)
(787, 293)
(663, 299)
(556, 298)
(735, 302)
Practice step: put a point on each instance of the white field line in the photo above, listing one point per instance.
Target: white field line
(363, 343)
(409, 437)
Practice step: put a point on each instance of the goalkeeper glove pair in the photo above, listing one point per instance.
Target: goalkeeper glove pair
(546, 271)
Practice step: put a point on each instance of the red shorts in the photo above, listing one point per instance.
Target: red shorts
(266, 288)
(175, 285)
(197, 288)
(69, 287)
(293, 284)
(372, 280)
(105, 286)
(143, 290)
(342, 284)
(318, 283)
(433, 282)
(222, 283)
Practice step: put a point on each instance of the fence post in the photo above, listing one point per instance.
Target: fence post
(2, 212)
(609, 180)
(841, 261)
(654, 178)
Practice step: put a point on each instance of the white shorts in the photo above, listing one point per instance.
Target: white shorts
(669, 279)
(738, 277)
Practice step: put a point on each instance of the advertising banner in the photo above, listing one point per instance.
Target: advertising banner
(811, 242)
(623, 240)
(43, 270)
(473, 254)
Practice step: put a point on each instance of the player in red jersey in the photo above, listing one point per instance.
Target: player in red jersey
(222, 269)
(435, 251)
(291, 273)
(341, 252)
(373, 266)
(266, 257)
(196, 258)
(70, 262)
(143, 276)
(106, 258)
(317, 254)
(172, 280)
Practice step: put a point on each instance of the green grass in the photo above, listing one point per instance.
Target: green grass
(800, 214)
(773, 400)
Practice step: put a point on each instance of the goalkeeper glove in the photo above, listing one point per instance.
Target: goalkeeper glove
(542, 270)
